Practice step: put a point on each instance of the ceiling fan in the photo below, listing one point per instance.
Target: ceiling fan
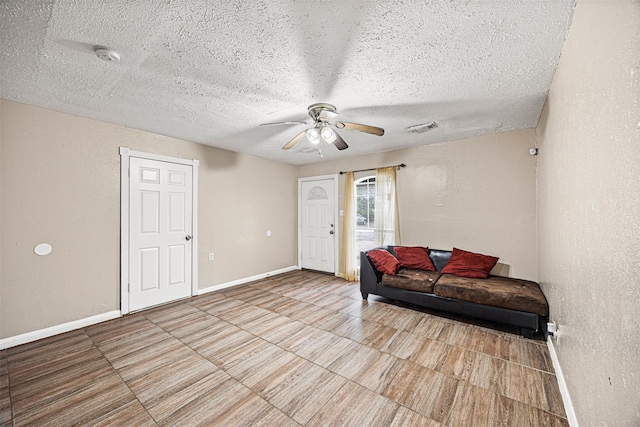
(322, 114)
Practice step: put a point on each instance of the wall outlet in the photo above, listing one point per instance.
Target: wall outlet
(211, 256)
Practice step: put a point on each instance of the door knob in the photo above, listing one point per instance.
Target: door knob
(331, 232)
(188, 237)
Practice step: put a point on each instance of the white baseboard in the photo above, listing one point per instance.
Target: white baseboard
(564, 391)
(58, 329)
(88, 321)
(247, 280)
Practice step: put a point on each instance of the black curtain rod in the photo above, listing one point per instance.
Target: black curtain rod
(401, 165)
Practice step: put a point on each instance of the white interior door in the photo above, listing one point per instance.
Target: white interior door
(317, 225)
(160, 232)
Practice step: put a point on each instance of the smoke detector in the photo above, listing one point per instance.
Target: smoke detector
(106, 54)
(424, 127)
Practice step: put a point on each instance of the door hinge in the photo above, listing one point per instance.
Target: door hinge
(129, 172)
(128, 287)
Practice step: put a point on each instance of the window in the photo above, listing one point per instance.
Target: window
(370, 218)
(365, 214)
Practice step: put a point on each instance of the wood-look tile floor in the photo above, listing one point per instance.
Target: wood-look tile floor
(298, 349)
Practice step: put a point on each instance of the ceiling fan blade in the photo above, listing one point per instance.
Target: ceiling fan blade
(362, 128)
(295, 122)
(327, 115)
(339, 142)
(295, 140)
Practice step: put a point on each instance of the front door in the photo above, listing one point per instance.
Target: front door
(160, 228)
(317, 225)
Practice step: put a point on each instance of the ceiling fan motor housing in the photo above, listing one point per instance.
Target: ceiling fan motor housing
(316, 112)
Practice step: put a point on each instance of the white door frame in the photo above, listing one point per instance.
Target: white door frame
(336, 250)
(125, 155)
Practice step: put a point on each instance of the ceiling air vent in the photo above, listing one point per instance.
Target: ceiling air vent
(424, 127)
(308, 150)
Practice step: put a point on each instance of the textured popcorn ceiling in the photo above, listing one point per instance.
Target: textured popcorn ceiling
(212, 71)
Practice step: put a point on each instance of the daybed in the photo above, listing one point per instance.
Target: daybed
(509, 301)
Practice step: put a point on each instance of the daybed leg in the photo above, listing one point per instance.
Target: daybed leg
(364, 295)
(527, 332)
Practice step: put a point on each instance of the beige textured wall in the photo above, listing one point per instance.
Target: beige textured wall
(60, 178)
(1, 296)
(477, 194)
(589, 211)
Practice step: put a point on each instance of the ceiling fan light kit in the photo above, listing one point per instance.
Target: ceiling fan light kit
(313, 135)
(328, 135)
(322, 114)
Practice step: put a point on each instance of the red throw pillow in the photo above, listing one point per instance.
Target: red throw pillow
(414, 257)
(383, 261)
(469, 264)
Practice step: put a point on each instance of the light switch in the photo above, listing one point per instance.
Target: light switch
(211, 256)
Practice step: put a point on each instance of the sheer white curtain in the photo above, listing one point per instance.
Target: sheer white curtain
(347, 268)
(387, 222)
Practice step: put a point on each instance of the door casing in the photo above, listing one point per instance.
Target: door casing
(336, 251)
(125, 155)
